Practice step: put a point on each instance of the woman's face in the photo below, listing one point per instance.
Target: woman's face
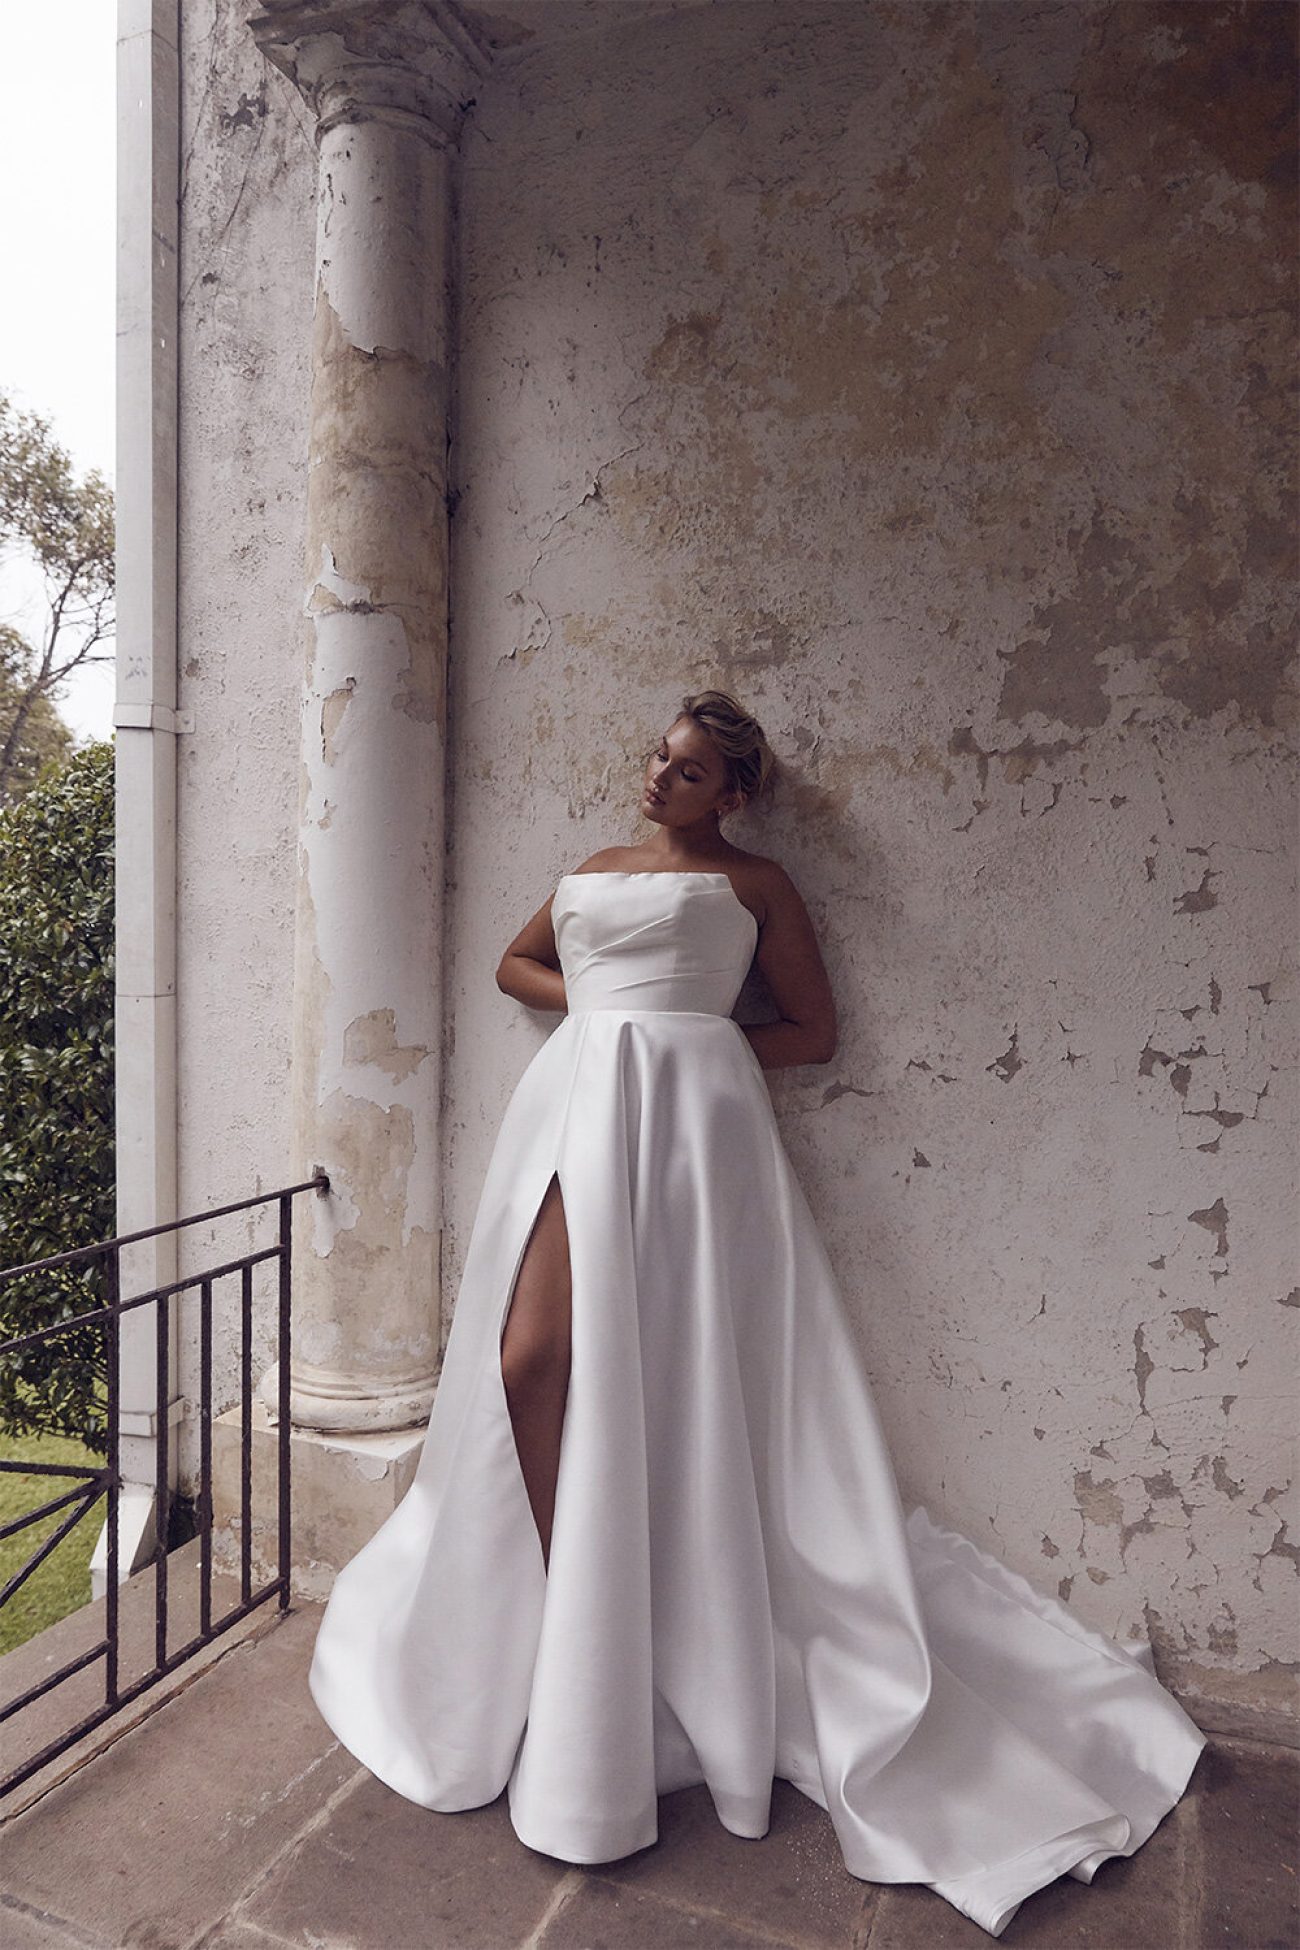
(685, 778)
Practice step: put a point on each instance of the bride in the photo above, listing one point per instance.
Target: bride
(707, 764)
(654, 1536)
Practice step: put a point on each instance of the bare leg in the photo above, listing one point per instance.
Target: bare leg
(535, 1357)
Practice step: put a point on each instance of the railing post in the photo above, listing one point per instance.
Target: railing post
(284, 1374)
(106, 1481)
(113, 1359)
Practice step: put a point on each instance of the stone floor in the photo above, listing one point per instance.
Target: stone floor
(228, 1817)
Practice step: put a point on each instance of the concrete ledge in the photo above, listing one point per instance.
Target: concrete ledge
(342, 1488)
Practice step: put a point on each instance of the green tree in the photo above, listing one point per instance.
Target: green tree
(44, 735)
(63, 524)
(56, 1086)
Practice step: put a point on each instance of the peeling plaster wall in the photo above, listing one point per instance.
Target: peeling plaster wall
(918, 372)
(247, 262)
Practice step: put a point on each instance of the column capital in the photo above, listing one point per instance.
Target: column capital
(413, 63)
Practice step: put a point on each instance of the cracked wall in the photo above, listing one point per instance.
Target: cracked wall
(919, 372)
(248, 189)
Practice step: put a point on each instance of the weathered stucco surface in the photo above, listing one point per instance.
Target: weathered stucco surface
(247, 266)
(918, 373)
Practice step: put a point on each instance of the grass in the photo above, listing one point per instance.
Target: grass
(61, 1583)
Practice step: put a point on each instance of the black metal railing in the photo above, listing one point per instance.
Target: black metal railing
(94, 1483)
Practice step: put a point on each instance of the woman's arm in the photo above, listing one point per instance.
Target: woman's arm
(792, 967)
(530, 967)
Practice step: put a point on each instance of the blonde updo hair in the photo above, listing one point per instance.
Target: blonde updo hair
(750, 762)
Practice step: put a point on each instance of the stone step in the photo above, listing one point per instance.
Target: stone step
(82, 1693)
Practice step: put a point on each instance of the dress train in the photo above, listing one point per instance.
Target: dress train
(734, 1592)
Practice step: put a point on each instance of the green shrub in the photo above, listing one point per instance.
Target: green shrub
(56, 1087)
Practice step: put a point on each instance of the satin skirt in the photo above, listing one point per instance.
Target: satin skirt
(734, 1590)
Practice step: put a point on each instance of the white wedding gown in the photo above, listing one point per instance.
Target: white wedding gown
(733, 1591)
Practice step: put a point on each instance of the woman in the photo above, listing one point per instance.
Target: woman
(654, 1536)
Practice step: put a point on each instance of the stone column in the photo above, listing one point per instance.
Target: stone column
(388, 86)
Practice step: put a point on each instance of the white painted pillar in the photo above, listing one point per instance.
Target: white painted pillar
(388, 92)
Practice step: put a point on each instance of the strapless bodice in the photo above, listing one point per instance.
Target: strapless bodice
(668, 940)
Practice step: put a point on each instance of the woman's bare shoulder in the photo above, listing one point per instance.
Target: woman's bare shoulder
(755, 862)
(762, 883)
(766, 876)
(607, 859)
